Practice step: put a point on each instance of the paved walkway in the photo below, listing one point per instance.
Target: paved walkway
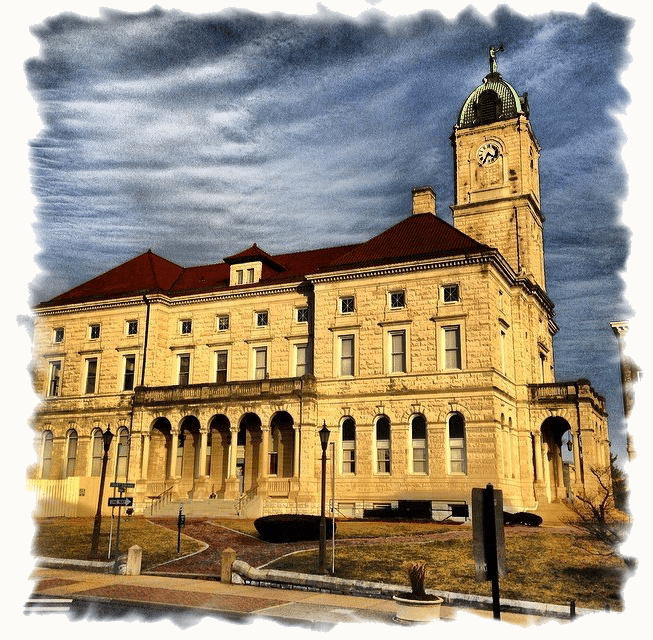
(231, 601)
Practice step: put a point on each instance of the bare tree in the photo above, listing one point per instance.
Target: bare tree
(596, 515)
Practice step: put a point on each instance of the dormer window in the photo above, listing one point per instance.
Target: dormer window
(248, 273)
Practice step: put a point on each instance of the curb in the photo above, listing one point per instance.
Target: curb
(95, 566)
(244, 573)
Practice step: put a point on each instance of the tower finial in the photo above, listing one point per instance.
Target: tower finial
(493, 58)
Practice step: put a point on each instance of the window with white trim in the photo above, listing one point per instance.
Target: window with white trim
(54, 379)
(46, 454)
(347, 304)
(183, 363)
(250, 276)
(348, 431)
(450, 293)
(91, 375)
(71, 453)
(301, 359)
(398, 351)
(382, 433)
(260, 363)
(347, 355)
(457, 444)
(397, 299)
(58, 335)
(129, 372)
(452, 351)
(223, 323)
(221, 362)
(418, 444)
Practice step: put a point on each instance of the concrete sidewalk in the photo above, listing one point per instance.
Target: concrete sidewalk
(232, 601)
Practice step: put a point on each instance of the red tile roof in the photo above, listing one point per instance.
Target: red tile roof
(416, 237)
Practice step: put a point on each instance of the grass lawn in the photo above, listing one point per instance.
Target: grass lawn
(543, 567)
(71, 538)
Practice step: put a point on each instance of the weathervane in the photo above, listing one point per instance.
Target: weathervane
(493, 58)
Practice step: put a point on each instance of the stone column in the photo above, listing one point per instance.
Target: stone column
(145, 457)
(264, 454)
(539, 474)
(172, 458)
(231, 481)
(296, 446)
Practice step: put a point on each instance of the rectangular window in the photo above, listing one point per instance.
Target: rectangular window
(302, 314)
(346, 355)
(398, 351)
(419, 456)
(347, 304)
(502, 338)
(239, 276)
(301, 359)
(452, 359)
(55, 378)
(397, 300)
(383, 456)
(186, 327)
(184, 369)
(130, 369)
(94, 331)
(91, 375)
(250, 276)
(260, 363)
(223, 323)
(221, 367)
(348, 456)
(132, 327)
(274, 463)
(58, 335)
(450, 293)
(457, 453)
(261, 318)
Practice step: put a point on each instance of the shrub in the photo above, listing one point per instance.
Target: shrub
(290, 527)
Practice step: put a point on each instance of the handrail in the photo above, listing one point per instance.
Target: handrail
(245, 499)
(161, 497)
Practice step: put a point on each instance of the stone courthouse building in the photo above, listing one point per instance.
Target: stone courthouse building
(427, 351)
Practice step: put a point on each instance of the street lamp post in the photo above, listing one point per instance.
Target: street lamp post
(324, 441)
(107, 437)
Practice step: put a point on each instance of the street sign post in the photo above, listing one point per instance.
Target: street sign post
(121, 486)
(489, 543)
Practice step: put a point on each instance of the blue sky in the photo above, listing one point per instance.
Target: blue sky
(197, 134)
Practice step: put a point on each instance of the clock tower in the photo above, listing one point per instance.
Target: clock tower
(497, 188)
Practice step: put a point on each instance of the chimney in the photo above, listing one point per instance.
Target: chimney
(424, 200)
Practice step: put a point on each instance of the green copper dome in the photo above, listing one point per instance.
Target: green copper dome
(493, 100)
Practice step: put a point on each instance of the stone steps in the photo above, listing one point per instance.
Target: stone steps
(554, 514)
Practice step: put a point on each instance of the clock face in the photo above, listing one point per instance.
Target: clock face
(488, 153)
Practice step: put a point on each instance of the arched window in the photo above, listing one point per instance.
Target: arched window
(418, 443)
(97, 452)
(348, 437)
(457, 448)
(123, 452)
(46, 454)
(71, 453)
(383, 445)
